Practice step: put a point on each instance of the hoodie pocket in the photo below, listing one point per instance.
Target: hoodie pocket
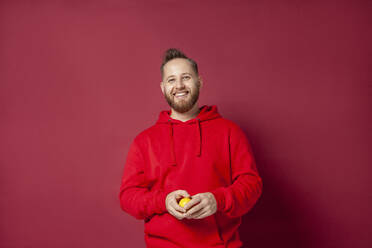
(186, 232)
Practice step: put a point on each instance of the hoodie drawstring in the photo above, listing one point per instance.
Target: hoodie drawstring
(198, 140)
(198, 130)
(173, 157)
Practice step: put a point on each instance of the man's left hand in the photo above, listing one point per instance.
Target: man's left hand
(201, 205)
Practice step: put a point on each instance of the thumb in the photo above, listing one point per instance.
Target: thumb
(196, 195)
(183, 193)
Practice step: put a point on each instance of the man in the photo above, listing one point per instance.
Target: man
(192, 152)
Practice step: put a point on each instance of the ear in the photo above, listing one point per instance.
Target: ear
(162, 86)
(200, 81)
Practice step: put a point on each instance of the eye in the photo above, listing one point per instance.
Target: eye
(171, 80)
(186, 77)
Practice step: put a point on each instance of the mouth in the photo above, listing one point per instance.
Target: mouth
(182, 94)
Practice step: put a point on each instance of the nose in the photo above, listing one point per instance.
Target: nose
(179, 83)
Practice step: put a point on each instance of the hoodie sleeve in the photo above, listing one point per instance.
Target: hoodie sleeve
(135, 195)
(238, 198)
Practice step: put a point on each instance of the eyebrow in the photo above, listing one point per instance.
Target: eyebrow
(181, 74)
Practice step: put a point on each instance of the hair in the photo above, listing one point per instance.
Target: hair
(173, 53)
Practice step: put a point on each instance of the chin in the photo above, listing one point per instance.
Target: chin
(182, 105)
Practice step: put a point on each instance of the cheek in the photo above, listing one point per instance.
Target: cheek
(169, 92)
(193, 88)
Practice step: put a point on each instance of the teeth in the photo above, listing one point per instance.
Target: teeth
(181, 94)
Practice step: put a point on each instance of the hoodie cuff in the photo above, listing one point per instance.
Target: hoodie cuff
(160, 204)
(219, 195)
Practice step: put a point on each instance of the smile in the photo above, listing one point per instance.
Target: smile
(181, 94)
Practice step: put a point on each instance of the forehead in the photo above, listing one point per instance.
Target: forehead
(177, 66)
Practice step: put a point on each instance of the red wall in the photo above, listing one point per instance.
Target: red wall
(79, 79)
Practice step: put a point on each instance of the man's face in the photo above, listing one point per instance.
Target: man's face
(180, 85)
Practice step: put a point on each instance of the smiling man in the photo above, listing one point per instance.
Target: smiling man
(193, 152)
(181, 87)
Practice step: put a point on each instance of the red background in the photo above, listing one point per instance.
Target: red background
(79, 79)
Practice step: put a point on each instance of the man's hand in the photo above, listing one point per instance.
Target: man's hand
(171, 203)
(201, 205)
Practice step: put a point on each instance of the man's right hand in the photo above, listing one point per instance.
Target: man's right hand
(171, 203)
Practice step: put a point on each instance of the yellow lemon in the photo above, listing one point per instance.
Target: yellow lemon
(184, 201)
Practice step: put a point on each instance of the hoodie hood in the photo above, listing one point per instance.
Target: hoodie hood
(206, 113)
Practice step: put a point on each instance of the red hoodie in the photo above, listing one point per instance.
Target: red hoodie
(204, 154)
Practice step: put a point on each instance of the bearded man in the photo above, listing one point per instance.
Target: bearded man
(190, 152)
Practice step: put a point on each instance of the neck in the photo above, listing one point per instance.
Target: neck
(192, 113)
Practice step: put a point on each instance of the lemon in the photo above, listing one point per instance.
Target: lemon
(184, 201)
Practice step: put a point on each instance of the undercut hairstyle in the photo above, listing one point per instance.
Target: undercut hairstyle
(173, 53)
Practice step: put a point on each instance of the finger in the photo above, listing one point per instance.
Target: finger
(194, 201)
(205, 214)
(195, 209)
(192, 216)
(181, 193)
(199, 214)
(176, 214)
(173, 203)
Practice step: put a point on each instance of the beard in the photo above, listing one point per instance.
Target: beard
(184, 105)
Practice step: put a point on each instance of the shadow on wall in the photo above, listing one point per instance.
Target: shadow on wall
(272, 222)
